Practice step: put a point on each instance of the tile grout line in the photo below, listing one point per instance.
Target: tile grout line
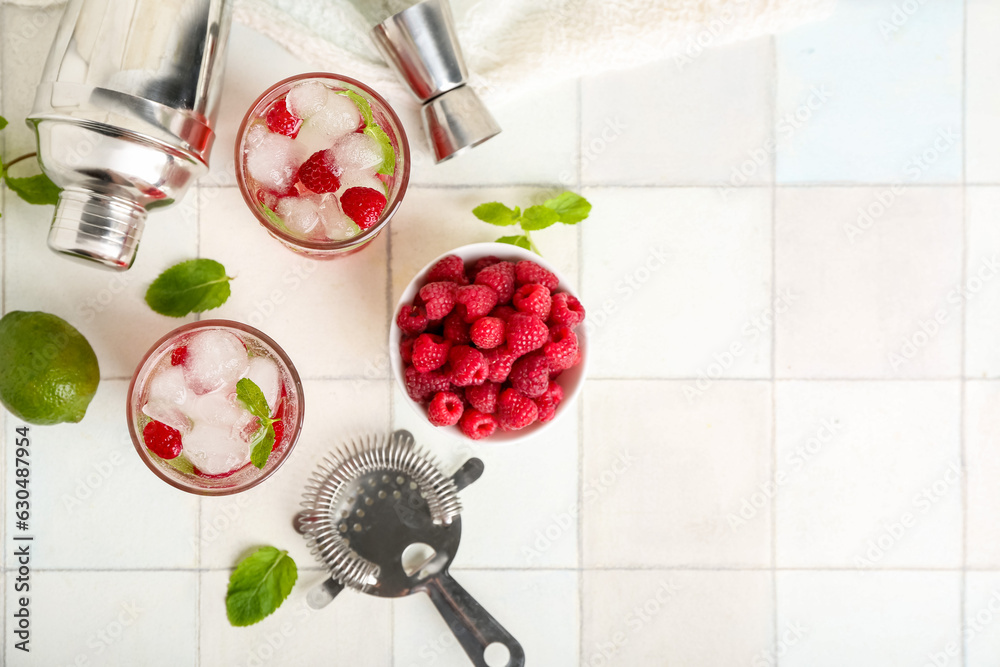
(392, 410)
(679, 567)
(639, 378)
(582, 396)
(197, 587)
(963, 649)
(774, 328)
(3, 310)
(667, 186)
(197, 612)
(197, 253)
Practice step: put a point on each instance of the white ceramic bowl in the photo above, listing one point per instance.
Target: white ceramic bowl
(571, 380)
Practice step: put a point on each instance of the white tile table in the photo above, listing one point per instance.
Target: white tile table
(788, 449)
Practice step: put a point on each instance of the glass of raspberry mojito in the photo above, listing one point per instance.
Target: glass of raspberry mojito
(215, 407)
(323, 163)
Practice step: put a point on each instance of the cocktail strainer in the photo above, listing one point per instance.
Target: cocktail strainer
(385, 521)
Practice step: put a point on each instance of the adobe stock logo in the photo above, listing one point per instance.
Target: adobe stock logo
(895, 531)
(723, 361)
(604, 653)
(927, 329)
(593, 489)
(788, 125)
(901, 14)
(913, 170)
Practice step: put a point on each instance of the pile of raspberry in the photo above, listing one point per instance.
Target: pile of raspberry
(484, 345)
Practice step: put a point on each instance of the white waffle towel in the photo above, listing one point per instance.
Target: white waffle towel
(515, 46)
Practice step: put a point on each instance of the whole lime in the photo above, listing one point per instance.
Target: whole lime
(48, 370)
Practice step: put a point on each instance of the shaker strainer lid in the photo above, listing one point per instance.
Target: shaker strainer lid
(385, 520)
(374, 496)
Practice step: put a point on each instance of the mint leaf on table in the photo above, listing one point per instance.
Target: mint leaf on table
(570, 207)
(159, 203)
(258, 586)
(189, 287)
(38, 190)
(250, 395)
(538, 217)
(497, 214)
(362, 104)
(388, 154)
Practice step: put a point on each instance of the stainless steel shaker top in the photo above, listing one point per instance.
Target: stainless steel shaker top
(124, 116)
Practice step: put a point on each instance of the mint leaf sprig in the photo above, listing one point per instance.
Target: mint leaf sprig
(189, 287)
(38, 189)
(568, 208)
(250, 395)
(258, 586)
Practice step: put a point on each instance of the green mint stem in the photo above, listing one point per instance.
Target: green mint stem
(19, 159)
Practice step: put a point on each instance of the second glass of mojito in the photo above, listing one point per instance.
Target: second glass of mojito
(215, 407)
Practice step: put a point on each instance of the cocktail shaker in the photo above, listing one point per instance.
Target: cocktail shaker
(421, 45)
(124, 116)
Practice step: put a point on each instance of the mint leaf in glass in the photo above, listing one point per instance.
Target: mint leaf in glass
(250, 395)
(180, 463)
(571, 207)
(273, 218)
(3, 122)
(258, 586)
(193, 286)
(538, 217)
(263, 445)
(362, 104)
(388, 154)
(497, 214)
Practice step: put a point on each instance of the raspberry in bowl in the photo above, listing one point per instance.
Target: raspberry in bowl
(194, 411)
(323, 162)
(487, 343)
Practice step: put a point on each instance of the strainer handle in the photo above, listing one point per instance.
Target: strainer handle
(473, 626)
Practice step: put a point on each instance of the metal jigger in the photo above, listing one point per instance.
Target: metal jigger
(421, 46)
